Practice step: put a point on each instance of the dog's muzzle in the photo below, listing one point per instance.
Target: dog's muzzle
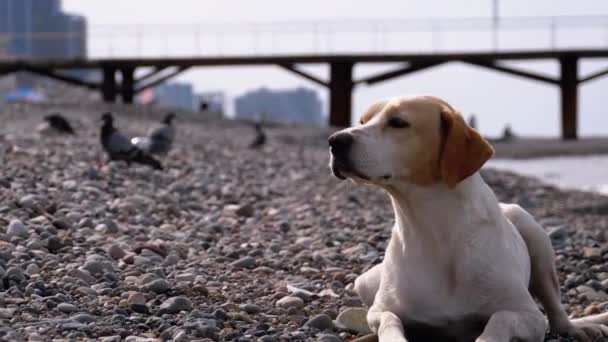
(340, 145)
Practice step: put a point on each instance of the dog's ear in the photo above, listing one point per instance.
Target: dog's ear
(464, 150)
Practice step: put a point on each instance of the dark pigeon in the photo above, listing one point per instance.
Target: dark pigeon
(118, 147)
(260, 136)
(59, 124)
(160, 139)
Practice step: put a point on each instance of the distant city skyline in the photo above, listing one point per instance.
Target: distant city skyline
(22, 20)
(299, 105)
(496, 99)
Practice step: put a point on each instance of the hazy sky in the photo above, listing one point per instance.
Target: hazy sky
(497, 99)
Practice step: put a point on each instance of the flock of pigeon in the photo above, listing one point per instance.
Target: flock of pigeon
(139, 150)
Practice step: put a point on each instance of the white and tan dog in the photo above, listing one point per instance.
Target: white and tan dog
(459, 266)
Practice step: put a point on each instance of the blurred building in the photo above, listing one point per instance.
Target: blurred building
(39, 29)
(298, 105)
(176, 95)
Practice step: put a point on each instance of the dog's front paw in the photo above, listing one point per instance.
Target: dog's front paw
(588, 332)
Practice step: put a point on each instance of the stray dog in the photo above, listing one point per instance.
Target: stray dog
(460, 266)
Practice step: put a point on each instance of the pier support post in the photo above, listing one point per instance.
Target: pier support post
(127, 89)
(569, 96)
(340, 93)
(108, 86)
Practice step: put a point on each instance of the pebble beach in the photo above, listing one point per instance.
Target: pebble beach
(226, 243)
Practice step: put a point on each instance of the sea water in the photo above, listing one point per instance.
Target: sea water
(589, 173)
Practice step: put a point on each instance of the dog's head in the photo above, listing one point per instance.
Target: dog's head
(419, 140)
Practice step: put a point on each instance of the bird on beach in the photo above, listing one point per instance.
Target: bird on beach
(160, 139)
(260, 136)
(118, 147)
(59, 123)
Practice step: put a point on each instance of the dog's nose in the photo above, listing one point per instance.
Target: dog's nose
(340, 143)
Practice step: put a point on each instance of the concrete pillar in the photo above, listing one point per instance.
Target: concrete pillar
(108, 86)
(340, 93)
(569, 96)
(127, 89)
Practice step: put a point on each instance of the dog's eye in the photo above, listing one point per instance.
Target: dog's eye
(397, 122)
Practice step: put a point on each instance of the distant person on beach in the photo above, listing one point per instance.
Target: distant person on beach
(204, 106)
(260, 136)
(507, 134)
(473, 121)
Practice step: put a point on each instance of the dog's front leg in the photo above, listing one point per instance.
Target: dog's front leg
(507, 326)
(386, 325)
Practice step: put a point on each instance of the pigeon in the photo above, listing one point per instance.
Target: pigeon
(59, 123)
(159, 140)
(118, 147)
(260, 136)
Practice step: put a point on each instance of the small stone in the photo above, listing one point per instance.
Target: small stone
(220, 314)
(180, 336)
(15, 274)
(148, 277)
(297, 292)
(250, 308)
(591, 310)
(93, 266)
(328, 338)
(83, 275)
(16, 228)
(61, 224)
(72, 326)
(590, 294)
(67, 308)
(54, 244)
(185, 277)
(366, 338)
(557, 233)
(175, 305)
(244, 262)
(321, 322)
(290, 302)
(245, 210)
(32, 269)
(7, 313)
(35, 337)
(28, 201)
(592, 253)
(115, 252)
(156, 286)
(83, 318)
(354, 319)
(330, 312)
(136, 298)
(140, 308)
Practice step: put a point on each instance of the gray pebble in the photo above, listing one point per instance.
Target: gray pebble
(250, 308)
(321, 322)
(290, 302)
(16, 228)
(156, 286)
(175, 305)
(244, 262)
(328, 338)
(28, 201)
(115, 252)
(83, 318)
(67, 308)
